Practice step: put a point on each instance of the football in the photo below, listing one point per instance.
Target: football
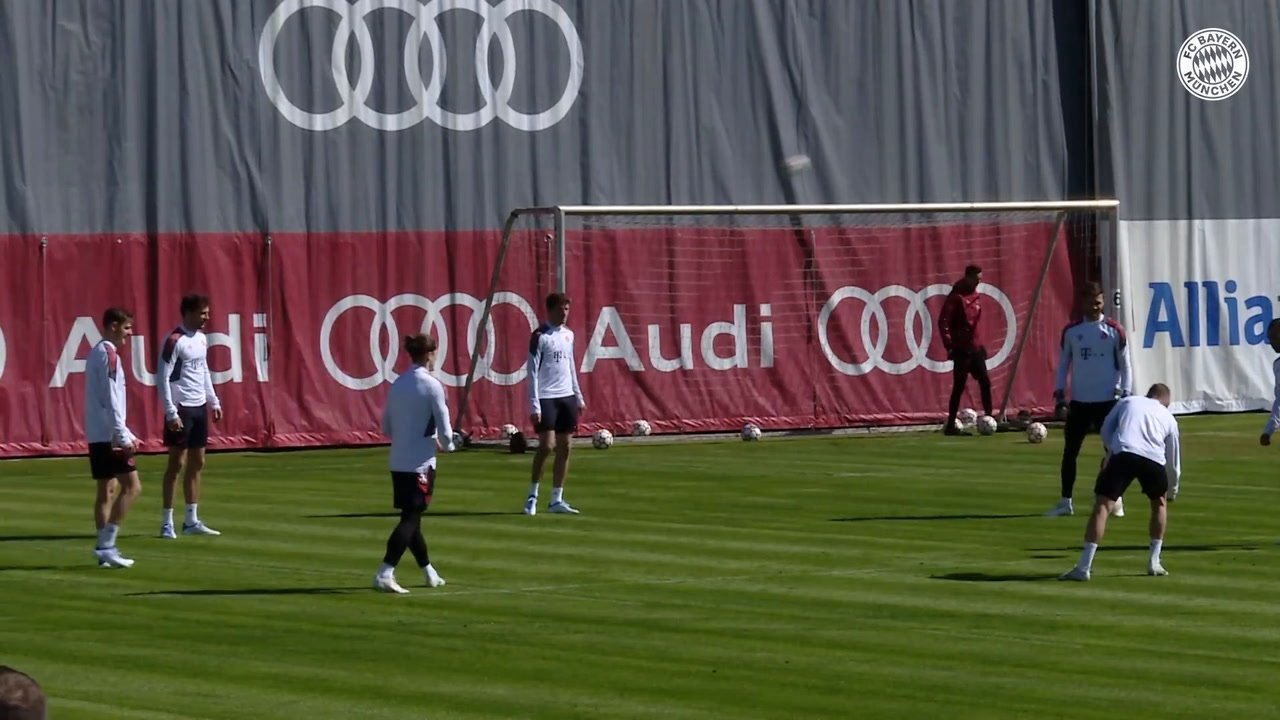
(751, 432)
(987, 425)
(1037, 432)
(602, 440)
(508, 430)
(641, 427)
(967, 417)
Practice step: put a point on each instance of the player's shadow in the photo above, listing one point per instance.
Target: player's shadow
(34, 568)
(426, 516)
(987, 577)
(254, 591)
(42, 538)
(874, 518)
(1167, 548)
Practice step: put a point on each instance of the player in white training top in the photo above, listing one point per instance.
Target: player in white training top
(1096, 352)
(111, 444)
(1141, 436)
(555, 401)
(1273, 420)
(416, 418)
(188, 399)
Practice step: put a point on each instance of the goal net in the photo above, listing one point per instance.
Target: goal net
(705, 318)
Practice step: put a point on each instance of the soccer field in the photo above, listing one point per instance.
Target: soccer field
(903, 576)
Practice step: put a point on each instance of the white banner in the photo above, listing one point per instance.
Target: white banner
(1197, 298)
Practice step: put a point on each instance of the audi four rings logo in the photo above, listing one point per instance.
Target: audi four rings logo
(919, 346)
(426, 95)
(383, 322)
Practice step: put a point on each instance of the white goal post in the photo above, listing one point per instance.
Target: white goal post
(660, 264)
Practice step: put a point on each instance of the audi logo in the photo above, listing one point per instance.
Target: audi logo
(919, 346)
(426, 95)
(383, 322)
(3, 353)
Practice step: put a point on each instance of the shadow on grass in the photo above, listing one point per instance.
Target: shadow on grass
(985, 577)
(426, 516)
(255, 591)
(874, 518)
(42, 538)
(1167, 548)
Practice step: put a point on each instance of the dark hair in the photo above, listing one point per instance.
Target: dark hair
(21, 697)
(1159, 390)
(1090, 290)
(419, 346)
(193, 303)
(113, 315)
(970, 270)
(557, 300)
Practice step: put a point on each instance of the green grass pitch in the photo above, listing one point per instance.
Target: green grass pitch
(903, 576)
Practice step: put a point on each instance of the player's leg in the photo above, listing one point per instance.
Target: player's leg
(1155, 484)
(408, 500)
(176, 441)
(197, 441)
(959, 375)
(102, 505)
(1111, 484)
(418, 543)
(1073, 435)
(979, 372)
(546, 434)
(130, 487)
(566, 426)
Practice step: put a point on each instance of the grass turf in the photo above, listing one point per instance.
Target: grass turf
(906, 576)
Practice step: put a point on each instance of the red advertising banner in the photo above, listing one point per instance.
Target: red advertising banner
(832, 328)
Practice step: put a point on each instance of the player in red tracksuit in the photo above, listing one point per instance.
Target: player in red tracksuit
(958, 326)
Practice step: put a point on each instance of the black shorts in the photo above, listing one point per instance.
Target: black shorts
(1084, 418)
(559, 414)
(107, 461)
(195, 428)
(1123, 469)
(413, 491)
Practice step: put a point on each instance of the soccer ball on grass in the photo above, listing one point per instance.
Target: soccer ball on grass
(751, 432)
(1037, 432)
(641, 428)
(987, 425)
(602, 439)
(967, 417)
(508, 430)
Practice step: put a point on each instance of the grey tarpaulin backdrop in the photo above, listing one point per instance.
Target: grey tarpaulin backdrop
(125, 115)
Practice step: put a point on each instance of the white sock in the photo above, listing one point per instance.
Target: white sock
(386, 570)
(167, 516)
(1064, 501)
(557, 495)
(1086, 556)
(107, 536)
(430, 572)
(1155, 551)
(192, 517)
(533, 490)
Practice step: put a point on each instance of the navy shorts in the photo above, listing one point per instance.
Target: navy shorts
(411, 490)
(1123, 469)
(107, 461)
(195, 428)
(1084, 418)
(559, 414)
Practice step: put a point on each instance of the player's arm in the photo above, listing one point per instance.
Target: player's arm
(1274, 419)
(104, 367)
(214, 403)
(1125, 364)
(944, 320)
(386, 419)
(1109, 427)
(168, 360)
(1064, 366)
(534, 364)
(440, 411)
(573, 374)
(1173, 462)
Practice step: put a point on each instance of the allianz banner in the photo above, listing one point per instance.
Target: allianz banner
(1188, 98)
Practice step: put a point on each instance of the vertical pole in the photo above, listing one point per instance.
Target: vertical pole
(562, 264)
(465, 395)
(1026, 326)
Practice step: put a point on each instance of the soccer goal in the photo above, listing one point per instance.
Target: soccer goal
(705, 318)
